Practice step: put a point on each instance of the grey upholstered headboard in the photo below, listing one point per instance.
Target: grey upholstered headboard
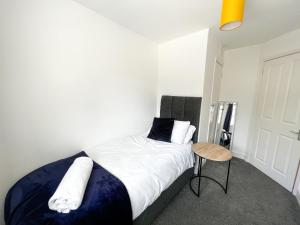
(182, 108)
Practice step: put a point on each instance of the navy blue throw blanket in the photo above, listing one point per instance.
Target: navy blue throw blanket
(106, 200)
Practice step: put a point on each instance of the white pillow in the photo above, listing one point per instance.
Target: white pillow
(179, 131)
(189, 134)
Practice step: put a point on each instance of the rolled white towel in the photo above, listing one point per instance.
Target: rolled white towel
(69, 193)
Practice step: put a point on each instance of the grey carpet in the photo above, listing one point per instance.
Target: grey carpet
(252, 198)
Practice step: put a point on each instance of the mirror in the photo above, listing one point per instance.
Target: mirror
(222, 123)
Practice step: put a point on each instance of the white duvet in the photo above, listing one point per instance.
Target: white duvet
(146, 167)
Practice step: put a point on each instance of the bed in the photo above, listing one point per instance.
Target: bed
(152, 172)
(146, 167)
(180, 108)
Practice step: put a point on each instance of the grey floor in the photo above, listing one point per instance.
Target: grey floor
(252, 198)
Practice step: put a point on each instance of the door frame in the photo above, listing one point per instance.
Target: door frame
(253, 127)
(216, 62)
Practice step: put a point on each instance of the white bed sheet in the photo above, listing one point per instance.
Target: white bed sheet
(146, 167)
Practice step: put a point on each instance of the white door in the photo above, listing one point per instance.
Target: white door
(277, 144)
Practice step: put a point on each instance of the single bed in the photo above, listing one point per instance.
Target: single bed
(146, 167)
(152, 172)
(180, 108)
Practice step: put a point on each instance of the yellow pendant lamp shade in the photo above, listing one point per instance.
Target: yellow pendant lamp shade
(232, 14)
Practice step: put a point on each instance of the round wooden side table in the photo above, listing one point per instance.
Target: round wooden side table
(211, 152)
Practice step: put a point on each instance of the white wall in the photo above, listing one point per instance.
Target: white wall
(283, 44)
(186, 67)
(182, 65)
(5, 174)
(69, 79)
(240, 71)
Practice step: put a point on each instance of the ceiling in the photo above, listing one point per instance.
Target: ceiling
(162, 20)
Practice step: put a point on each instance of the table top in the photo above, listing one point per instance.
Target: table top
(212, 151)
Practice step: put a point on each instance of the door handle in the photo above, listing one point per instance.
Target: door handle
(295, 132)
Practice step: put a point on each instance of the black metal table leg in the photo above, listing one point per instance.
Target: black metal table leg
(199, 175)
(228, 170)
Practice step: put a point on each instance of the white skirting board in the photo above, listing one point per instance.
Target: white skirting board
(240, 155)
(298, 198)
